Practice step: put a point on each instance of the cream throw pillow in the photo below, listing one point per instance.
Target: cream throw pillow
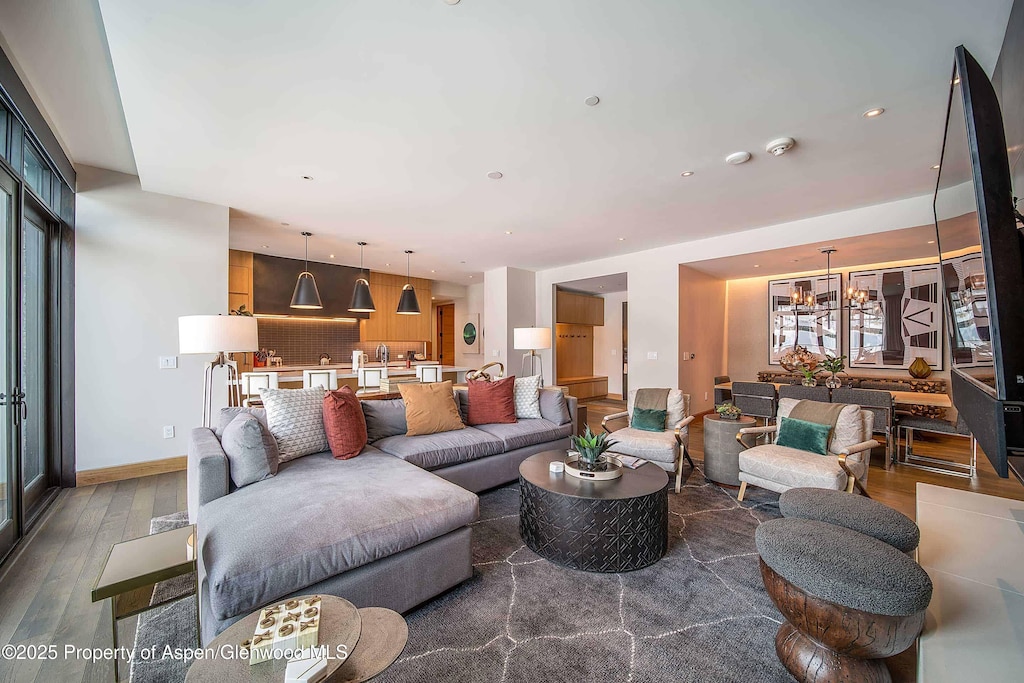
(527, 397)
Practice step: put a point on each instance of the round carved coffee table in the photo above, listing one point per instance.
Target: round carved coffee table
(596, 526)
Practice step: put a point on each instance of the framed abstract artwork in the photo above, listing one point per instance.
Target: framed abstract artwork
(815, 327)
(901, 319)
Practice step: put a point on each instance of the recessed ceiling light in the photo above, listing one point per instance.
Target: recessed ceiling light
(686, 174)
(495, 175)
(872, 113)
(622, 239)
(332, 256)
(592, 101)
(737, 158)
(600, 286)
(451, 2)
(266, 247)
(387, 264)
(507, 232)
(756, 265)
(935, 167)
(470, 277)
(796, 260)
(931, 241)
(307, 177)
(433, 271)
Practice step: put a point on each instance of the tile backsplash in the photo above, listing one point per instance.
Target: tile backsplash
(300, 342)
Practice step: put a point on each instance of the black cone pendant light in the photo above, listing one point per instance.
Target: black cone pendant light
(362, 301)
(408, 305)
(306, 295)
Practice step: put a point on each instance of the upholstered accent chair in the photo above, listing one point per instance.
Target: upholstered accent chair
(667, 448)
(780, 468)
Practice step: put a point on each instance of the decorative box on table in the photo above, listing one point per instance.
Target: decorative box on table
(293, 625)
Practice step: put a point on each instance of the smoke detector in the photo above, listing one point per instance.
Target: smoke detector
(737, 158)
(780, 146)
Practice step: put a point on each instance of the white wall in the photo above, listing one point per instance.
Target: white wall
(141, 260)
(608, 342)
(473, 302)
(509, 302)
(653, 277)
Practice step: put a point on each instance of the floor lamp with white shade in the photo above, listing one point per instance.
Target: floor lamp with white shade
(532, 339)
(219, 334)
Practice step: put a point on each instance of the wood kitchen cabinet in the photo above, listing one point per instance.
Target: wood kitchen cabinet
(579, 309)
(385, 325)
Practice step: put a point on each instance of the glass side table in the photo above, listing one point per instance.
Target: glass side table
(134, 567)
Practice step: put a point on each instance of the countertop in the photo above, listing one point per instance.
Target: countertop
(288, 372)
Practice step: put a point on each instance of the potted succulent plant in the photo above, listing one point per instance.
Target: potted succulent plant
(589, 446)
(835, 365)
(728, 411)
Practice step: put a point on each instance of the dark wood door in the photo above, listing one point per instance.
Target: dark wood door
(446, 334)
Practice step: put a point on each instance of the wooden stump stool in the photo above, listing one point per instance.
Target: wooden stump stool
(849, 600)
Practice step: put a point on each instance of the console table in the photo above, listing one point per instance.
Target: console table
(972, 547)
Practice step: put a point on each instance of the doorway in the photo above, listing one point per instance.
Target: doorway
(446, 334)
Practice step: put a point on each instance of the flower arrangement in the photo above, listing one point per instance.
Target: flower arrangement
(728, 411)
(799, 358)
(590, 446)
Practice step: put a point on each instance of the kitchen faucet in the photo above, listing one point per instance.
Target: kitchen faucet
(383, 354)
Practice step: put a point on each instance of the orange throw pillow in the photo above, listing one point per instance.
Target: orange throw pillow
(430, 408)
(344, 423)
(492, 402)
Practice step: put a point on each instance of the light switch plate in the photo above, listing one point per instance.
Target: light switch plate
(686, 355)
(169, 431)
(168, 362)
(652, 355)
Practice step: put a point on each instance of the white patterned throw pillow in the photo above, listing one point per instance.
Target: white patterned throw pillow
(527, 397)
(296, 419)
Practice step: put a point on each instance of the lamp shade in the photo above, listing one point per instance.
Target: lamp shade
(217, 333)
(531, 338)
(362, 300)
(306, 295)
(408, 305)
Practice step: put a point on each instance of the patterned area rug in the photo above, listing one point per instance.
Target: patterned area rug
(699, 614)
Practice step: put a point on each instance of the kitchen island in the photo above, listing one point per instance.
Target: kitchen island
(292, 374)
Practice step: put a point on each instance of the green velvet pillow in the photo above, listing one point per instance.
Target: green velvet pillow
(648, 419)
(803, 435)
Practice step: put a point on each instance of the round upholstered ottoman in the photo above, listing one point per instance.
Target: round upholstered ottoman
(849, 599)
(853, 512)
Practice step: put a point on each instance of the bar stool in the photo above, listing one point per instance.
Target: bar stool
(369, 378)
(252, 382)
(428, 373)
(328, 379)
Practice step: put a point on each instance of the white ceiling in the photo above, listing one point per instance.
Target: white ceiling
(399, 108)
(605, 284)
(60, 51)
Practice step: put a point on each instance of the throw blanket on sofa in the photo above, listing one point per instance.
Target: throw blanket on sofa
(817, 412)
(651, 399)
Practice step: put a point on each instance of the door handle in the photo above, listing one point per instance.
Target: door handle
(3, 398)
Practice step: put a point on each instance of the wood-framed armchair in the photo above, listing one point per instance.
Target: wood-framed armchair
(666, 449)
(779, 468)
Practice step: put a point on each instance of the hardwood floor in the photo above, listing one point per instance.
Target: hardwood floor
(45, 588)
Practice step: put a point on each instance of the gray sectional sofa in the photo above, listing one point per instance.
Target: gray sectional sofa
(388, 528)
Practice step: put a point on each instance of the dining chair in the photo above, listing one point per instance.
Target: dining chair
(800, 392)
(328, 379)
(722, 395)
(757, 399)
(878, 402)
(252, 382)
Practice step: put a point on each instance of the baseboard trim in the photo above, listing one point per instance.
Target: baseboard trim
(615, 397)
(706, 412)
(102, 475)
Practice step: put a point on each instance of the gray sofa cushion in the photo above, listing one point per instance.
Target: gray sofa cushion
(431, 451)
(553, 407)
(526, 432)
(229, 414)
(384, 418)
(251, 450)
(462, 400)
(317, 518)
(844, 566)
(853, 512)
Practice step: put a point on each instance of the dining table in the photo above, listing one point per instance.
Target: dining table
(906, 398)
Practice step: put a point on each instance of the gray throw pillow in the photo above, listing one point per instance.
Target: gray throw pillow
(553, 406)
(384, 418)
(230, 413)
(251, 450)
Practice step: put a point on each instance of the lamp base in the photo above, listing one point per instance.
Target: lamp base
(234, 385)
(529, 372)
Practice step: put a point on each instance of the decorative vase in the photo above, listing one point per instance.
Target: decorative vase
(810, 381)
(919, 369)
(833, 382)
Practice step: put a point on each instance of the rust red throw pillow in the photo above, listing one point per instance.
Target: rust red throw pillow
(344, 423)
(492, 402)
